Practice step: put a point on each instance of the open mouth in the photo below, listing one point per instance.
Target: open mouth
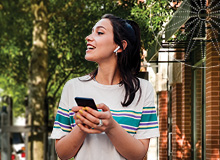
(90, 47)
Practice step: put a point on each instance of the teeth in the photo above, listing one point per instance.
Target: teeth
(90, 47)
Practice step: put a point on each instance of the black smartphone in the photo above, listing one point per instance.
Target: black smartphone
(86, 102)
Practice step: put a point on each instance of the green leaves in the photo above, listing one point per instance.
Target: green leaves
(151, 17)
(12, 89)
(69, 23)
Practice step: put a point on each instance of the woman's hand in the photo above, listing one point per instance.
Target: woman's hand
(76, 110)
(128, 146)
(88, 119)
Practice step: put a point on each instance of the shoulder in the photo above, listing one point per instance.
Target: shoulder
(145, 84)
(147, 91)
(77, 81)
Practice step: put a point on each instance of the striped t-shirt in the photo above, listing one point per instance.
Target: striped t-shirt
(138, 119)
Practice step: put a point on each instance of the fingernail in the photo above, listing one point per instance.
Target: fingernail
(84, 108)
(77, 116)
(80, 111)
(97, 105)
(87, 108)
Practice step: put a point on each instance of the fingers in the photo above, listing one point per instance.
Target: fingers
(89, 130)
(101, 115)
(87, 118)
(78, 121)
(77, 108)
(103, 107)
(88, 125)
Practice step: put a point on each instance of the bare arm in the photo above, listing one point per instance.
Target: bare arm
(69, 145)
(128, 146)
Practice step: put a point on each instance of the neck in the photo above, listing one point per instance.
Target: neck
(108, 75)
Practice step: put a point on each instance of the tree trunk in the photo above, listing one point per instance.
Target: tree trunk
(37, 81)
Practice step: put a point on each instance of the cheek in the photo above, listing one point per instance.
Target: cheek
(106, 45)
(105, 51)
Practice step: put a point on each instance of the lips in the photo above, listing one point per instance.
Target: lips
(90, 47)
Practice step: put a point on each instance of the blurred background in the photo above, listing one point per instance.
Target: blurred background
(42, 45)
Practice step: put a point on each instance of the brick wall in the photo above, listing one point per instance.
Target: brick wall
(212, 106)
(163, 113)
(186, 111)
(198, 116)
(212, 97)
(177, 139)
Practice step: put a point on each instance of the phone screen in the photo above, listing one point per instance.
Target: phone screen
(85, 102)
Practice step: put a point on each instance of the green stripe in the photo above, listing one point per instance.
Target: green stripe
(144, 128)
(62, 119)
(127, 121)
(149, 108)
(131, 132)
(126, 111)
(149, 117)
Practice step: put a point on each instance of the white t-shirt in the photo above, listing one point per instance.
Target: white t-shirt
(138, 119)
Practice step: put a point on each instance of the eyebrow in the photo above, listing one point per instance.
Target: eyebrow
(99, 27)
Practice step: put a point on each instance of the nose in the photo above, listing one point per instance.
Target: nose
(89, 38)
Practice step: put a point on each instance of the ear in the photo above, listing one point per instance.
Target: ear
(124, 43)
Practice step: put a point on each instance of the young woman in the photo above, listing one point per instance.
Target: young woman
(127, 120)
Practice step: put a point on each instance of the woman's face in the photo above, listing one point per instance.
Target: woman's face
(100, 43)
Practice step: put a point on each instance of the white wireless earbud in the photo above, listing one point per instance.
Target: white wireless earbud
(116, 50)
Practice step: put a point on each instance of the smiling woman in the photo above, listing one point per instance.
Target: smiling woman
(100, 43)
(126, 119)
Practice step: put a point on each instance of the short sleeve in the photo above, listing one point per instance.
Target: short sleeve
(64, 121)
(148, 126)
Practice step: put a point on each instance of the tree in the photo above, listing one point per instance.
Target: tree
(38, 75)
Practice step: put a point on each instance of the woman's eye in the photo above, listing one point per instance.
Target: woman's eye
(100, 33)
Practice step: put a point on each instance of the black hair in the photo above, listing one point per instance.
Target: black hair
(129, 59)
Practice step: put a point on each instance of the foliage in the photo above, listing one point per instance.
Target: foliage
(15, 44)
(11, 89)
(69, 23)
(151, 16)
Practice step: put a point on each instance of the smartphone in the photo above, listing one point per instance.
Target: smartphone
(86, 102)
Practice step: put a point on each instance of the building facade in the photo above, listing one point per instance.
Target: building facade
(188, 84)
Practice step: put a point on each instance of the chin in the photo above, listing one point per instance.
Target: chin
(89, 58)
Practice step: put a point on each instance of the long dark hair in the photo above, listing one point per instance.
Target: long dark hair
(129, 59)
